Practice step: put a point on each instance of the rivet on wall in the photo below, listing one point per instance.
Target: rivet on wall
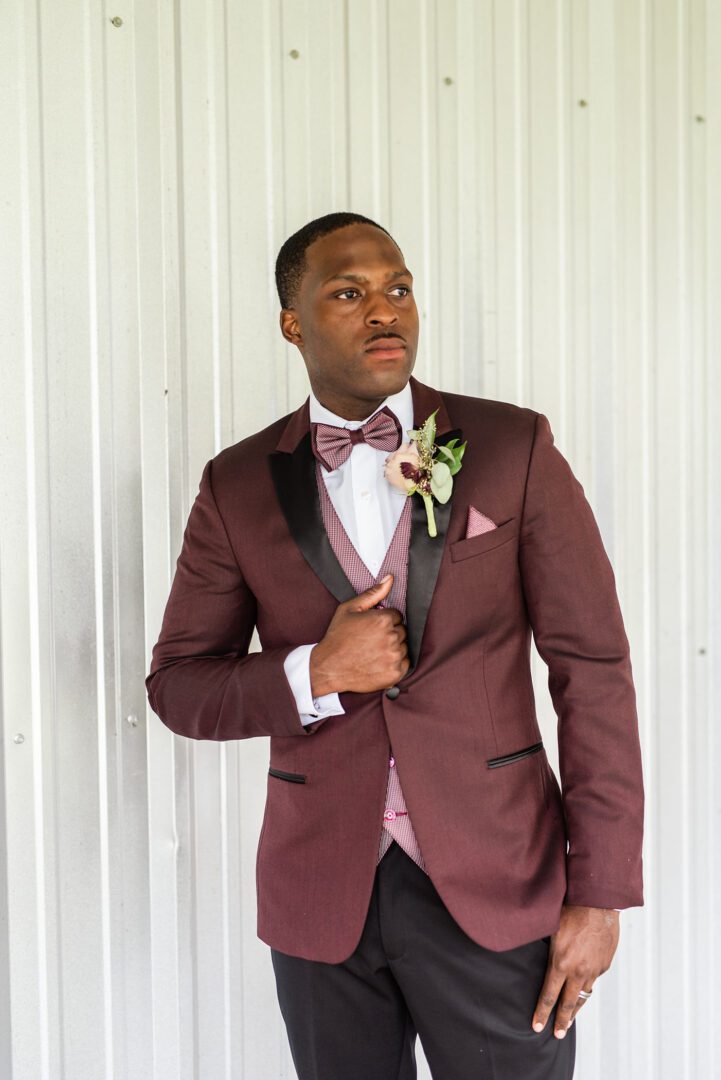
(19, 738)
(294, 54)
(116, 20)
(583, 104)
(448, 80)
(132, 720)
(700, 119)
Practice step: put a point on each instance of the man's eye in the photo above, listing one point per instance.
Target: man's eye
(405, 290)
(347, 292)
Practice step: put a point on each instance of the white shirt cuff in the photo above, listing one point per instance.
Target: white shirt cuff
(297, 672)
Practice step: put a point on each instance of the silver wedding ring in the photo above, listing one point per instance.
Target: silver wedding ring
(585, 994)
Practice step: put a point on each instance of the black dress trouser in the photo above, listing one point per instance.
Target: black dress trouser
(415, 972)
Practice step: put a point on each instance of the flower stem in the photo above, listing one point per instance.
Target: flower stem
(432, 531)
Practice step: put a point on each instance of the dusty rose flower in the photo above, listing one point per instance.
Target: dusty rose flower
(402, 467)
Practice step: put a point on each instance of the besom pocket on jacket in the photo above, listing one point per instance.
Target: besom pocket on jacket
(508, 759)
(291, 777)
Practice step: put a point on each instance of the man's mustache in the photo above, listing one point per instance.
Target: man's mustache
(384, 336)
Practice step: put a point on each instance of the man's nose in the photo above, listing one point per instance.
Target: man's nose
(380, 312)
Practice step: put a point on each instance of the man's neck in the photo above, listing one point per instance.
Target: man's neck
(328, 410)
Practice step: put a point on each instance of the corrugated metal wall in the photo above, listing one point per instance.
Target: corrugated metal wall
(552, 171)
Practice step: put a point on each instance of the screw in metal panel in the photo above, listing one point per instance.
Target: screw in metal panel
(132, 720)
(116, 20)
(19, 738)
(294, 54)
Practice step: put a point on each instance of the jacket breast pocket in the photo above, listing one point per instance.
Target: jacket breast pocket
(479, 545)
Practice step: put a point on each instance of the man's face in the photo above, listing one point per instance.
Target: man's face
(355, 320)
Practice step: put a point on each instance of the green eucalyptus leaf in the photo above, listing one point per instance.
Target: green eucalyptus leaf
(442, 491)
(458, 452)
(429, 429)
(441, 482)
(447, 453)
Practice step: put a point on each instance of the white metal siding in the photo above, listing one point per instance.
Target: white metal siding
(552, 171)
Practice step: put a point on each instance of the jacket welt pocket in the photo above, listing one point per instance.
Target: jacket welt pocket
(508, 759)
(291, 777)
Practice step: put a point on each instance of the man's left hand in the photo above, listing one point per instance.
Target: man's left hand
(581, 950)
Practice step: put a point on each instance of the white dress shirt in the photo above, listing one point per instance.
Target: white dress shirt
(369, 509)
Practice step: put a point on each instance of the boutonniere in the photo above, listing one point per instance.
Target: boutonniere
(422, 467)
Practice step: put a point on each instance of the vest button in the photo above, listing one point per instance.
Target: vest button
(392, 693)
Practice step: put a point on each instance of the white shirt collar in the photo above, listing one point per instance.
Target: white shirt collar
(401, 404)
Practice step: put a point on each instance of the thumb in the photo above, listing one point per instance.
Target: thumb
(368, 599)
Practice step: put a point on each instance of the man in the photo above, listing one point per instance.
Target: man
(419, 871)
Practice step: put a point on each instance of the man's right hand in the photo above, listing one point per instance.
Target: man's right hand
(364, 647)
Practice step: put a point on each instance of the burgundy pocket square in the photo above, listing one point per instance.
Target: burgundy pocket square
(478, 523)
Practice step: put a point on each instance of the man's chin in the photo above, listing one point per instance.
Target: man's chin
(387, 377)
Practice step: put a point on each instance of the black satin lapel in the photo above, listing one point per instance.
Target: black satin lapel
(424, 561)
(297, 491)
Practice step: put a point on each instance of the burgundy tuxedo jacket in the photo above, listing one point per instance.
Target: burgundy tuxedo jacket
(503, 845)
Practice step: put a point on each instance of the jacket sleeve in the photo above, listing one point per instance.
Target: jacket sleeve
(573, 609)
(203, 683)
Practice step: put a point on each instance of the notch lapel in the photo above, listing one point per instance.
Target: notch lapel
(297, 490)
(425, 552)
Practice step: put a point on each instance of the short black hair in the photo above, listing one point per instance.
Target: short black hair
(290, 266)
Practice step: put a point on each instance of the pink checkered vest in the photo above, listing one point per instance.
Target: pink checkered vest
(396, 820)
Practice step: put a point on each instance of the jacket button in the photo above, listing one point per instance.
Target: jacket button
(392, 693)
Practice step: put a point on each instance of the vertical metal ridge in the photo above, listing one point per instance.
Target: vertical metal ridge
(179, 71)
(522, 179)
(700, 703)
(651, 746)
(273, 196)
(348, 165)
(229, 426)
(648, 531)
(193, 955)
(211, 53)
(26, 126)
(46, 889)
(711, 125)
(389, 141)
(495, 263)
(563, 94)
(429, 276)
(225, 906)
(685, 283)
(98, 540)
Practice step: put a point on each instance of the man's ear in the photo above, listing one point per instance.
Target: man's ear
(290, 327)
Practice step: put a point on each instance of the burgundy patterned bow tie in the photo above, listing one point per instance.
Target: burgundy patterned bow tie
(332, 445)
